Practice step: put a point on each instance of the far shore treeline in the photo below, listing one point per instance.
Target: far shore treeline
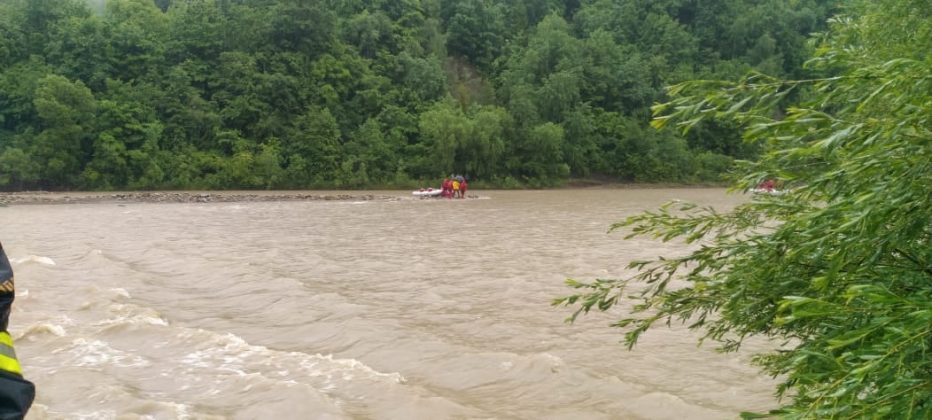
(216, 94)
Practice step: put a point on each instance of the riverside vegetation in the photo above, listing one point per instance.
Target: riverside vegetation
(216, 94)
(838, 270)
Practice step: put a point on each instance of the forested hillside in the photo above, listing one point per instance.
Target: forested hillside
(145, 94)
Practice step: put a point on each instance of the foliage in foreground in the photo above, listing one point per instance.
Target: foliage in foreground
(838, 271)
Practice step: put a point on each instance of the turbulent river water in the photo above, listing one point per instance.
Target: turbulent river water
(407, 309)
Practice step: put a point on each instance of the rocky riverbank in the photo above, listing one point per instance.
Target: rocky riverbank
(27, 198)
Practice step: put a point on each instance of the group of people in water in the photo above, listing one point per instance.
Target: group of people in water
(454, 187)
(767, 185)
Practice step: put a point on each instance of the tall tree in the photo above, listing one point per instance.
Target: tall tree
(137, 28)
(475, 30)
(66, 110)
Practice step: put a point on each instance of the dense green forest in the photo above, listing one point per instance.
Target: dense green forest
(145, 94)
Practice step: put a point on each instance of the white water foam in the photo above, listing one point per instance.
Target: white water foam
(94, 415)
(175, 410)
(129, 314)
(42, 329)
(95, 353)
(532, 362)
(231, 353)
(32, 259)
(121, 292)
(54, 327)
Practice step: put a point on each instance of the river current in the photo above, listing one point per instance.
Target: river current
(405, 309)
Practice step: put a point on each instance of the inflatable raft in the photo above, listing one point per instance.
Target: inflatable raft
(427, 192)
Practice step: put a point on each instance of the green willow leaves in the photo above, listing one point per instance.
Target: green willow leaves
(836, 269)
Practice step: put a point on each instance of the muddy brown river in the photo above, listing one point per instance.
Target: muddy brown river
(383, 309)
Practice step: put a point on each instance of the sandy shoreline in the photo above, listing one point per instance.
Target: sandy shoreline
(89, 197)
(41, 198)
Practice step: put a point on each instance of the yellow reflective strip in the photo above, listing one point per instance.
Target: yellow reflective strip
(6, 339)
(10, 365)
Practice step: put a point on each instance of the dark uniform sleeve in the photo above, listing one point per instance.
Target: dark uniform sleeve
(16, 393)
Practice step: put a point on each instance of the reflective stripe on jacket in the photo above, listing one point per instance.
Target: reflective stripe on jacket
(8, 361)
